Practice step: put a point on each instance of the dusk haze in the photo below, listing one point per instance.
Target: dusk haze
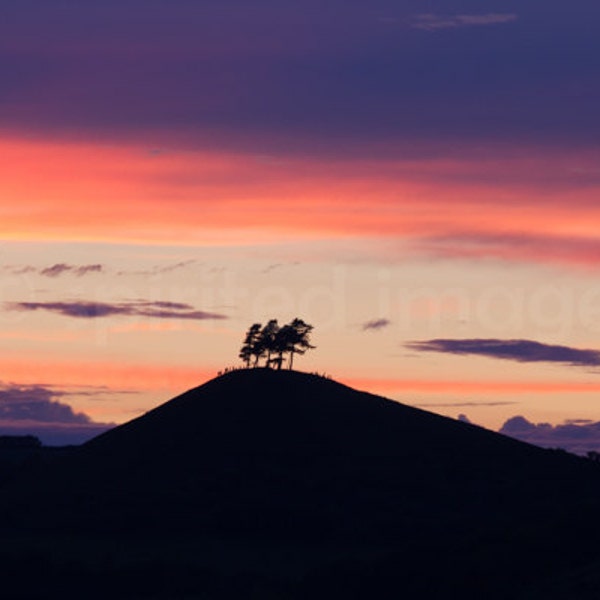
(410, 188)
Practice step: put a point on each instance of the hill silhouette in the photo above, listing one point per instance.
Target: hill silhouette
(292, 476)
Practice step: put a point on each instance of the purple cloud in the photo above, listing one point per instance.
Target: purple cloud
(36, 403)
(93, 310)
(517, 350)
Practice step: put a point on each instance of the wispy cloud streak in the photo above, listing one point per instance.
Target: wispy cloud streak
(517, 350)
(376, 324)
(62, 268)
(579, 250)
(55, 270)
(462, 404)
(94, 310)
(160, 270)
(434, 22)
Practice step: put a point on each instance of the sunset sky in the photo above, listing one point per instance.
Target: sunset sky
(420, 180)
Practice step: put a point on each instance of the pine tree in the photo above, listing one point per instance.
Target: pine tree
(298, 338)
(281, 343)
(250, 347)
(292, 338)
(268, 335)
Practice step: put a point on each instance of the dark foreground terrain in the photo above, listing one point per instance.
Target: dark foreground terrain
(265, 484)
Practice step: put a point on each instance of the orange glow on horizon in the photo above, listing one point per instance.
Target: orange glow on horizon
(137, 377)
(140, 376)
(156, 384)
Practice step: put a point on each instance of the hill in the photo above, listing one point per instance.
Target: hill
(296, 478)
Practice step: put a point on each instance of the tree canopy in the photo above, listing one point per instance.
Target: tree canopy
(273, 342)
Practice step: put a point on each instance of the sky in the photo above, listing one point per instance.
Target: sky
(419, 180)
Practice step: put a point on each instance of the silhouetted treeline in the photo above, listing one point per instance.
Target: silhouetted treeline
(19, 441)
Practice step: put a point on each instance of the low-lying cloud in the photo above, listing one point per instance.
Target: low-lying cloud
(577, 435)
(517, 350)
(37, 410)
(94, 310)
(55, 270)
(36, 403)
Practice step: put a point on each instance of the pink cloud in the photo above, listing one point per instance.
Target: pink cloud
(581, 251)
(464, 207)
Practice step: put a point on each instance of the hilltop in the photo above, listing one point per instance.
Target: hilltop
(306, 472)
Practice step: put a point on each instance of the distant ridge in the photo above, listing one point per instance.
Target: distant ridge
(282, 457)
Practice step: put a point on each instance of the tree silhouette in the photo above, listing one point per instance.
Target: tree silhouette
(268, 336)
(292, 338)
(593, 455)
(250, 347)
(282, 344)
(298, 338)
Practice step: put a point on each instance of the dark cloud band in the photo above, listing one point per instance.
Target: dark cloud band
(94, 310)
(517, 350)
(326, 75)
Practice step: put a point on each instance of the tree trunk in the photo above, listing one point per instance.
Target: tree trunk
(291, 359)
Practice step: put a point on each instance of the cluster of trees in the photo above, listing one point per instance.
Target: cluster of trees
(272, 342)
